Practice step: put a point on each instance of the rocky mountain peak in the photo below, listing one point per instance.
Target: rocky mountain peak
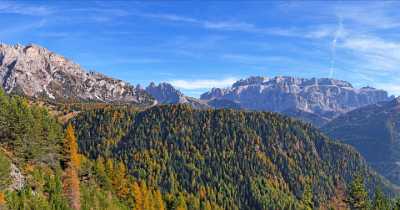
(36, 71)
(165, 93)
(323, 97)
(397, 100)
(394, 104)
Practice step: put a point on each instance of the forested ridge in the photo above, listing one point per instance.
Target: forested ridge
(375, 132)
(243, 160)
(41, 168)
(175, 157)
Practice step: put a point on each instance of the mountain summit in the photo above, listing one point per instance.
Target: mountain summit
(35, 72)
(165, 93)
(314, 100)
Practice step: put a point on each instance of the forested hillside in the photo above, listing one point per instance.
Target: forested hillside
(374, 131)
(175, 157)
(238, 160)
(40, 168)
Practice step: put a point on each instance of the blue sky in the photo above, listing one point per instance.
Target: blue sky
(199, 45)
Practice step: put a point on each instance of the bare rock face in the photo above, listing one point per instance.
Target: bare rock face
(165, 93)
(35, 71)
(18, 180)
(321, 99)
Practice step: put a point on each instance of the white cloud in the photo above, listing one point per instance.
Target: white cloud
(370, 43)
(374, 52)
(392, 88)
(136, 60)
(223, 25)
(21, 28)
(229, 25)
(254, 59)
(12, 7)
(169, 17)
(377, 14)
(203, 83)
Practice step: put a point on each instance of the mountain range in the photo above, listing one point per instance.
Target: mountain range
(225, 150)
(36, 72)
(314, 100)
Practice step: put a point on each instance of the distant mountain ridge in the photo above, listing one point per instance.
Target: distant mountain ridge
(165, 93)
(35, 71)
(320, 99)
(374, 131)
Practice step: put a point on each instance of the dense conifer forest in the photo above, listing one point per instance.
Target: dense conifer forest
(175, 157)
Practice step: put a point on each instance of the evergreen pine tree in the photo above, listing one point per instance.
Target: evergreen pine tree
(396, 204)
(380, 201)
(180, 203)
(307, 197)
(358, 196)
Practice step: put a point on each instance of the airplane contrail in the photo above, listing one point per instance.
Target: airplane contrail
(338, 33)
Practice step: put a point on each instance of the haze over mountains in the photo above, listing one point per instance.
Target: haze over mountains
(373, 130)
(36, 71)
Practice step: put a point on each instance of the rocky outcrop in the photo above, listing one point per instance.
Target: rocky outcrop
(321, 99)
(165, 93)
(18, 180)
(36, 72)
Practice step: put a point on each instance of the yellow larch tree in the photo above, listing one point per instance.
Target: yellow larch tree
(72, 164)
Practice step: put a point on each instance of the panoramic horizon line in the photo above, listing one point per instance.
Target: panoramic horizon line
(201, 85)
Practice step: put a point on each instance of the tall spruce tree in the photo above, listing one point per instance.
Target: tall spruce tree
(307, 196)
(380, 200)
(358, 195)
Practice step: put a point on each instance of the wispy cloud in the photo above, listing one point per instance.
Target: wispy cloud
(169, 17)
(21, 28)
(378, 14)
(13, 7)
(52, 34)
(136, 60)
(238, 26)
(203, 83)
(374, 52)
(253, 59)
(391, 87)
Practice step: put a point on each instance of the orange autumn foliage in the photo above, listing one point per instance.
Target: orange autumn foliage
(2, 199)
(71, 148)
(71, 178)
